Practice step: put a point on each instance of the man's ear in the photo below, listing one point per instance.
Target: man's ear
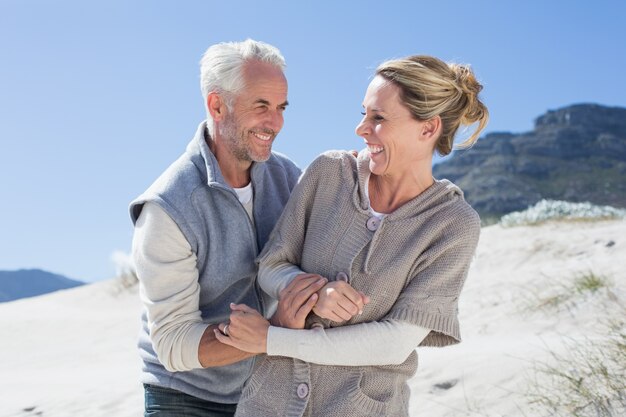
(216, 106)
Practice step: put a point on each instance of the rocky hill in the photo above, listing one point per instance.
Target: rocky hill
(31, 282)
(576, 153)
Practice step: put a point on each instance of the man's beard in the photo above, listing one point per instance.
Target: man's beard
(238, 141)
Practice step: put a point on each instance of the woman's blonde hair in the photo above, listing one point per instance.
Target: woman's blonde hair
(430, 87)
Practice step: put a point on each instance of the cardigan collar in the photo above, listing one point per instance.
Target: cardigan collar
(436, 194)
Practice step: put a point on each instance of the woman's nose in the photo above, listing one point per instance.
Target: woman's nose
(362, 129)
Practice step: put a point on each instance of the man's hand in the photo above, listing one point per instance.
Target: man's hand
(339, 302)
(246, 331)
(296, 301)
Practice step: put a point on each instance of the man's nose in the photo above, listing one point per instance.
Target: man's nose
(275, 120)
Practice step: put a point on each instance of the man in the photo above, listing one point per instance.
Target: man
(199, 227)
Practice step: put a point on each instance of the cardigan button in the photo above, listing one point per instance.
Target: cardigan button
(342, 276)
(303, 390)
(373, 223)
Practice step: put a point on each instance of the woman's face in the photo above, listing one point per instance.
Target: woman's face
(390, 132)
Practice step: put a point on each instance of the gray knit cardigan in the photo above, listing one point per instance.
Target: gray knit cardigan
(413, 266)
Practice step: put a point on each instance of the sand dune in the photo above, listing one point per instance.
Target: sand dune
(73, 352)
(519, 304)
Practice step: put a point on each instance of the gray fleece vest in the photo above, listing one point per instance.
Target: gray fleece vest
(193, 192)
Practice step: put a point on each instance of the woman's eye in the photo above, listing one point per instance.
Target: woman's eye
(375, 117)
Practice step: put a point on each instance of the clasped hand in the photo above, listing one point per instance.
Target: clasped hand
(339, 301)
(248, 329)
(336, 301)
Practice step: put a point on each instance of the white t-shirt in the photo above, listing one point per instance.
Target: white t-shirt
(245, 194)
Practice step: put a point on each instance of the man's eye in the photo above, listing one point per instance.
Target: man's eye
(362, 113)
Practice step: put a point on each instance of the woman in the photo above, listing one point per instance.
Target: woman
(383, 230)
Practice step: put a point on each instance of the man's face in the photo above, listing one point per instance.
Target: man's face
(257, 114)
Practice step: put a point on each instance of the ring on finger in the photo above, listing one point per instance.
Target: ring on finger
(225, 331)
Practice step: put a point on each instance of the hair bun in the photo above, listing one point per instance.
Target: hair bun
(470, 87)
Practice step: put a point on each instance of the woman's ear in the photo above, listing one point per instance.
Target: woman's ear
(216, 106)
(431, 129)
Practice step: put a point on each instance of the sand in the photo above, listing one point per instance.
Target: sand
(73, 352)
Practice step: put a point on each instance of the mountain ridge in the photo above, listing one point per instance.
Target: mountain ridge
(576, 153)
(23, 283)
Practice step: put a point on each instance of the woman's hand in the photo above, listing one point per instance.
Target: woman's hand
(339, 301)
(246, 331)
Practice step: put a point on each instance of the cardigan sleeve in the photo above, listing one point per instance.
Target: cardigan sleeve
(287, 239)
(275, 276)
(431, 297)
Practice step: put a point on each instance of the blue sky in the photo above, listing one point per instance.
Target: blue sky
(97, 98)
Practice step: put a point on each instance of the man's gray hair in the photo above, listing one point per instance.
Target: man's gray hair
(221, 67)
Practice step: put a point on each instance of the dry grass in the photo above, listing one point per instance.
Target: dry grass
(588, 381)
(561, 294)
